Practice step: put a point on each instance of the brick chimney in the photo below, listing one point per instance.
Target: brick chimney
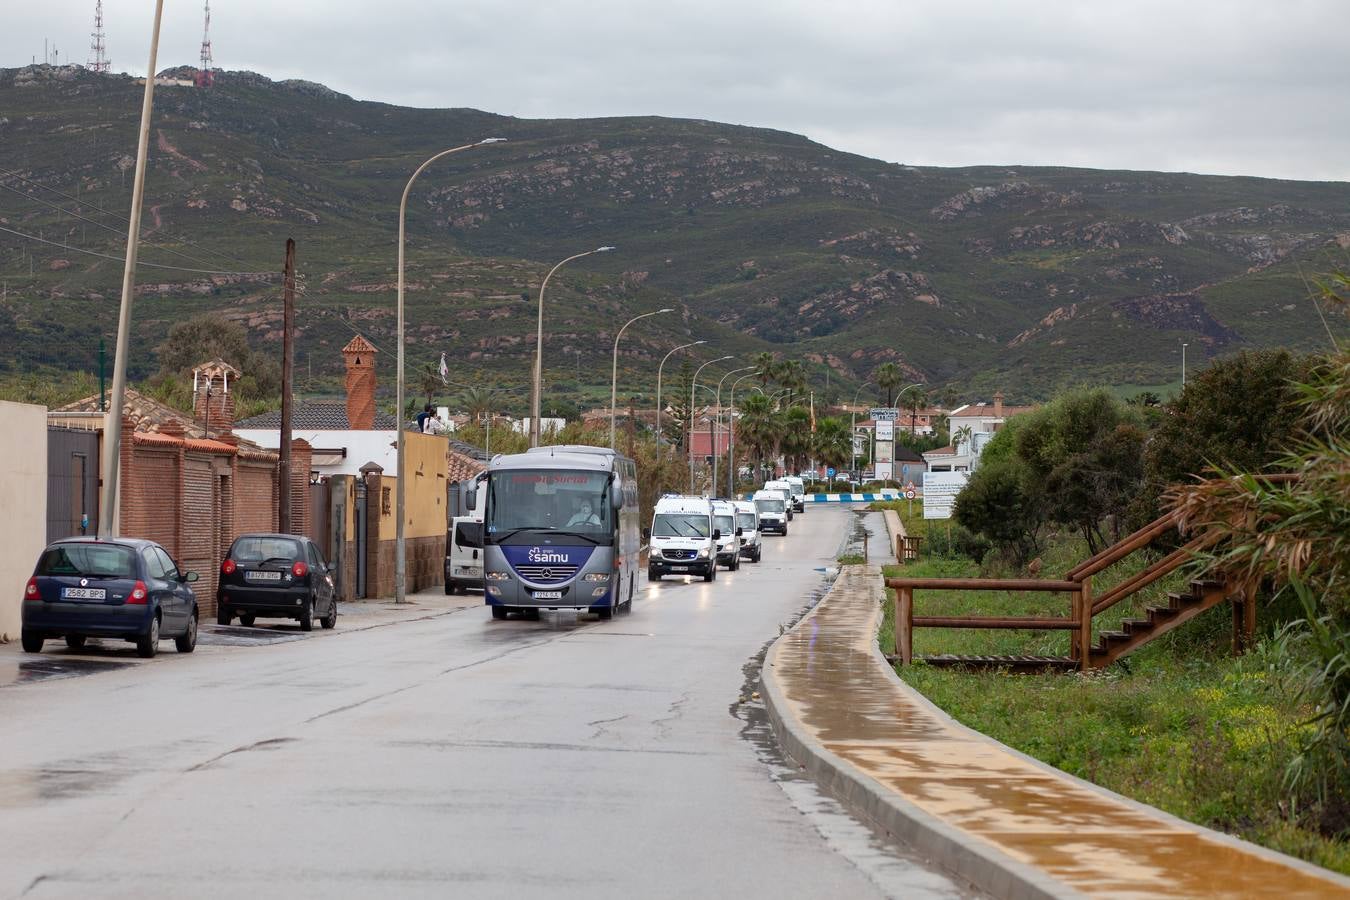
(998, 405)
(360, 358)
(213, 395)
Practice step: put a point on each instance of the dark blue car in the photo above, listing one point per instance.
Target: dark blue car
(119, 588)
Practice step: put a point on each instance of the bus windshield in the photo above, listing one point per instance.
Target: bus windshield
(549, 501)
(686, 525)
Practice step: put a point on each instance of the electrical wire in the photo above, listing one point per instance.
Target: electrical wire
(97, 224)
(33, 237)
(180, 239)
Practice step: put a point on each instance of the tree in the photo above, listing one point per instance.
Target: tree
(1000, 502)
(833, 442)
(428, 380)
(888, 377)
(201, 338)
(796, 435)
(914, 399)
(963, 436)
(765, 369)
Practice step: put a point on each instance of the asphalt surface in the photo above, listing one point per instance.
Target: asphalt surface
(444, 754)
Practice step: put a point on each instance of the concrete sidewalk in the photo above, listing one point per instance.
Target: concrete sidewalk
(1012, 825)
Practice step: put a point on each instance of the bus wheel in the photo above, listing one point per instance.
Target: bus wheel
(499, 612)
(605, 613)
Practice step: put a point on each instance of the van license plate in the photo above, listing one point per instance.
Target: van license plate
(84, 593)
(548, 595)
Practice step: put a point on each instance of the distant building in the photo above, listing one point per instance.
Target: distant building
(983, 420)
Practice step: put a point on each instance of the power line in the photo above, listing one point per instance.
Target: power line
(97, 224)
(120, 212)
(32, 237)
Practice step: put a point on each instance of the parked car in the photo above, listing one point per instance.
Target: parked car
(464, 555)
(120, 588)
(276, 576)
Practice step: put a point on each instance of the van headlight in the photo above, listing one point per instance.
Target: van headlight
(596, 576)
(703, 552)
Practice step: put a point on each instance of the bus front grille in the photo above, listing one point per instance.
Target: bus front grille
(546, 574)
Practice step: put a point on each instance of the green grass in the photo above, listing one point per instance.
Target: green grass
(1187, 727)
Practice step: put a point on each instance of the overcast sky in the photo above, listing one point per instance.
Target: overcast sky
(1233, 87)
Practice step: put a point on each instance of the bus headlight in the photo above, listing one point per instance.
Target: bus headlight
(597, 576)
(497, 576)
(494, 590)
(600, 592)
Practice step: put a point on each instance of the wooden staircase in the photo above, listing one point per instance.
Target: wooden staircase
(1135, 633)
(1110, 646)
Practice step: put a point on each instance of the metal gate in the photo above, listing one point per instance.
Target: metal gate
(360, 537)
(72, 482)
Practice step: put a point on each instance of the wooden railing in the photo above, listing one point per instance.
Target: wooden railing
(1077, 583)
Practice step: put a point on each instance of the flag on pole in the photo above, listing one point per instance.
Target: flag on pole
(445, 370)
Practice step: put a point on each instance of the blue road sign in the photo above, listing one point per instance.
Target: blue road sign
(830, 472)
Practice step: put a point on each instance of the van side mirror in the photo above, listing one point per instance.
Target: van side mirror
(646, 534)
(740, 532)
(475, 554)
(717, 534)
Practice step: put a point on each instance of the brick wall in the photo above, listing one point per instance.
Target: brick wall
(196, 496)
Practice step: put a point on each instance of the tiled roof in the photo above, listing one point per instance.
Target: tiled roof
(359, 344)
(464, 461)
(146, 413)
(316, 415)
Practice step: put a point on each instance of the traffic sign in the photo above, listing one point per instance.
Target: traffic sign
(829, 472)
(910, 493)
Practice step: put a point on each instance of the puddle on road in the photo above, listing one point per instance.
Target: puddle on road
(49, 668)
(895, 868)
(238, 636)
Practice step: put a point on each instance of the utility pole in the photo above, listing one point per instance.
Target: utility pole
(287, 381)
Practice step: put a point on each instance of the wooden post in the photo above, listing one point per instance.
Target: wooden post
(904, 625)
(1083, 602)
(1249, 619)
(287, 372)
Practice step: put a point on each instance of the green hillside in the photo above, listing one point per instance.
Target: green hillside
(1026, 279)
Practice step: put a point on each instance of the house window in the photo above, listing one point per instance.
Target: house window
(385, 506)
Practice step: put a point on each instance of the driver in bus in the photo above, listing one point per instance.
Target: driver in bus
(584, 515)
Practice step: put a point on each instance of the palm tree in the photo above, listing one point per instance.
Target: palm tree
(888, 377)
(793, 377)
(480, 401)
(428, 380)
(765, 368)
(962, 436)
(833, 443)
(757, 427)
(796, 438)
(914, 399)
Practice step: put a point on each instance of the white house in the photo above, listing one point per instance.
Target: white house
(983, 420)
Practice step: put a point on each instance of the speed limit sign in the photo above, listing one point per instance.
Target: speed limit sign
(910, 494)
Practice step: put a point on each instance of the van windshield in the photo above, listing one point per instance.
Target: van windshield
(687, 525)
(746, 520)
(773, 506)
(724, 524)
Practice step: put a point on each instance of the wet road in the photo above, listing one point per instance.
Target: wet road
(449, 755)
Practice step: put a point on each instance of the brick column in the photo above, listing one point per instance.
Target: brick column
(128, 485)
(301, 515)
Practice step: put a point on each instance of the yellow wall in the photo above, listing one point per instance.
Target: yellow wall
(425, 460)
(23, 497)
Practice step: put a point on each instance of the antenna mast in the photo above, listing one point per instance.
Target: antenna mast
(100, 62)
(206, 77)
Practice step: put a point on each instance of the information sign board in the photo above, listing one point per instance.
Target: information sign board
(885, 430)
(939, 493)
(884, 413)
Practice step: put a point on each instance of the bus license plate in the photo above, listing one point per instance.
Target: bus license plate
(548, 595)
(84, 593)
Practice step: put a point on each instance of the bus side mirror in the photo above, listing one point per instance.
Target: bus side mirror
(616, 495)
(469, 490)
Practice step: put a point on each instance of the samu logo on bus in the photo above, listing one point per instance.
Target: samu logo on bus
(540, 555)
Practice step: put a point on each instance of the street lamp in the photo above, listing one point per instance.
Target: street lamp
(614, 370)
(658, 385)
(1183, 364)
(539, 346)
(731, 442)
(689, 436)
(717, 413)
(853, 427)
(400, 555)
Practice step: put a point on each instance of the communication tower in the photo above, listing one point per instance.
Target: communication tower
(99, 61)
(206, 77)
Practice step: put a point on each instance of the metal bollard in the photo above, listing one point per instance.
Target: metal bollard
(865, 536)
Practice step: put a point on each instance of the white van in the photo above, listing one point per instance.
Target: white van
(773, 511)
(747, 520)
(781, 485)
(797, 487)
(464, 555)
(681, 537)
(729, 534)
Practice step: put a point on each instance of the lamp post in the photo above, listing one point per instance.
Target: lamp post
(109, 508)
(731, 426)
(400, 555)
(658, 385)
(689, 436)
(614, 369)
(1183, 364)
(853, 427)
(717, 414)
(539, 346)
